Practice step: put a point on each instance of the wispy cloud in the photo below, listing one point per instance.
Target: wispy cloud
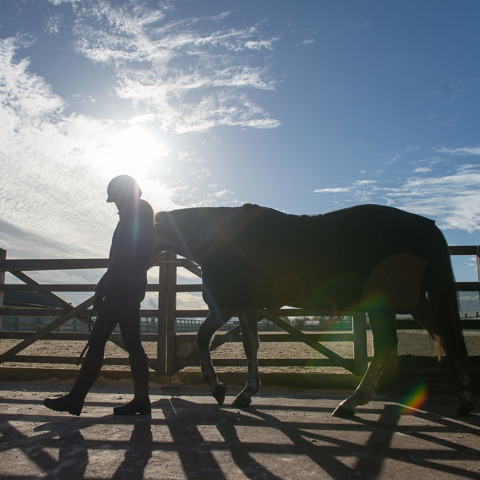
(333, 190)
(422, 170)
(452, 200)
(52, 180)
(358, 184)
(366, 24)
(460, 151)
(190, 75)
(26, 98)
(308, 41)
(185, 75)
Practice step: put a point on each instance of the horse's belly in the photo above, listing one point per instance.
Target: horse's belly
(395, 283)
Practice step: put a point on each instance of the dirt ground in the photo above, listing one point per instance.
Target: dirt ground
(410, 343)
(286, 434)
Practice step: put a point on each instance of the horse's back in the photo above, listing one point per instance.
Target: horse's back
(312, 260)
(375, 229)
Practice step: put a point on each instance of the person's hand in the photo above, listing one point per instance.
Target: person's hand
(101, 290)
(98, 303)
(103, 286)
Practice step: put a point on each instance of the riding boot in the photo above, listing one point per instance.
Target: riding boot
(73, 402)
(141, 401)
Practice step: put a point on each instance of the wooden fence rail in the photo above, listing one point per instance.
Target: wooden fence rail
(171, 343)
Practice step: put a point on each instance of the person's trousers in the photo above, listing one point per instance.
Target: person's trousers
(122, 308)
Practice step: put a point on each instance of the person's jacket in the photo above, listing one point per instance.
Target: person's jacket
(131, 249)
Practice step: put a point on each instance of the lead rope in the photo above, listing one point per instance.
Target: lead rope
(90, 322)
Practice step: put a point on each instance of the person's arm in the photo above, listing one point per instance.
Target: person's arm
(131, 249)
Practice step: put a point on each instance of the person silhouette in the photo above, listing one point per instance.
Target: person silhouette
(118, 296)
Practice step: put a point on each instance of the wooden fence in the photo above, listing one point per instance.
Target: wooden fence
(171, 344)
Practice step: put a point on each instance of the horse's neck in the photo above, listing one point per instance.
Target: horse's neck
(197, 227)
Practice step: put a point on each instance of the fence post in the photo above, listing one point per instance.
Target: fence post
(162, 315)
(171, 320)
(166, 314)
(3, 256)
(360, 352)
(478, 266)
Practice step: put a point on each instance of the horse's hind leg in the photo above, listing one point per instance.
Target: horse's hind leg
(384, 343)
(248, 321)
(204, 337)
(456, 354)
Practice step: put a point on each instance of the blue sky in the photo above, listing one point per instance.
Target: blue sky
(303, 106)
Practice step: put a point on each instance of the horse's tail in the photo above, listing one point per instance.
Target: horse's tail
(443, 299)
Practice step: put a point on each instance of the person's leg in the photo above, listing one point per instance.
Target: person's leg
(73, 401)
(141, 401)
(129, 320)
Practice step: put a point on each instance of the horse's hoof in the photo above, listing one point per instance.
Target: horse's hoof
(463, 408)
(241, 402)
(219, 393)
(344, 412)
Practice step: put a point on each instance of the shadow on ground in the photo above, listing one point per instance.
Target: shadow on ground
(283, 435)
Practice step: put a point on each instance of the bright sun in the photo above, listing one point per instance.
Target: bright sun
(132, 150)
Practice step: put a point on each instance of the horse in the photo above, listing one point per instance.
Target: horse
(371, 258)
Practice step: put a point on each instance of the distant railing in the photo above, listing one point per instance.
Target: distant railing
(168, 336)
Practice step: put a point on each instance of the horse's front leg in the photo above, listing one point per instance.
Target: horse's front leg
(204, 337)
(248, 321)
(385, 344)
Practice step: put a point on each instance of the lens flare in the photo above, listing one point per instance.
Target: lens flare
(414, 399)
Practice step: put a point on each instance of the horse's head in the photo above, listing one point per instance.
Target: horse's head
(169, 230)
(187, 231)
